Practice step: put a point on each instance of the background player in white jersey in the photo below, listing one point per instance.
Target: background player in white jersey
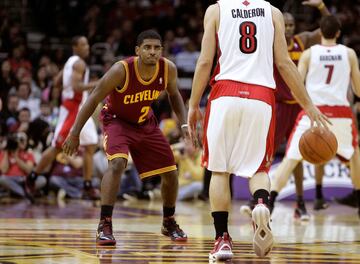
(239, 121)
(327, 70)
(75, 81)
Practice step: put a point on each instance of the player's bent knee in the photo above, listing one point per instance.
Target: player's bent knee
(117, 166)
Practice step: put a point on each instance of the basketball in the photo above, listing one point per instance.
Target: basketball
(318, 145)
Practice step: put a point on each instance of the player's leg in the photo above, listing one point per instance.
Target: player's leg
(89, 191)
(281, 177)
(220, 199)
(300, 209)
(169, 190)
(263, 239)
(319, 202)
(46, 160)
(110, 184)
(355, 174)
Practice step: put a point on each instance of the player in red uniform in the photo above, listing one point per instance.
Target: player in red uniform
(131, 85)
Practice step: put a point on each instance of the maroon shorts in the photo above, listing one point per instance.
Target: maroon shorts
(148, 147)
(286, 115)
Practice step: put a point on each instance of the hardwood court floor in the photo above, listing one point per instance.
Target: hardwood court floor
(64, 233)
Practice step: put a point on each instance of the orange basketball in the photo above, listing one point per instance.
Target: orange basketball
(318, 145)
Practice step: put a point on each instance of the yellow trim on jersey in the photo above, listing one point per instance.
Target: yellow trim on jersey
(138, 74)
(158, 171)
(126, 66)
(166, 72)
(299, 41)
(295, 55)
(290, 101)
(117, 155)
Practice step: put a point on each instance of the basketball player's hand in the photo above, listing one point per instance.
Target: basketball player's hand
(313, 3)
(194, 116)
(71, 144)
(318, 118)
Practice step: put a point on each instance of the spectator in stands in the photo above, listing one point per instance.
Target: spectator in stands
(15, 163)
(17, 60)
(24, 120)
(9, 115)
(66, 177)
(191, 173)
(7, 80)
(25, 100)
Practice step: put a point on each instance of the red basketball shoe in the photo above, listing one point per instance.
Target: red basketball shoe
(222, 250)
(171, 229)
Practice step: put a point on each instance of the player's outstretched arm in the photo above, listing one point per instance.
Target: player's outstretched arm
(310, 38)
(355, 73)
(290, 73)
(203, 67)
(175, 98)
(113, 78)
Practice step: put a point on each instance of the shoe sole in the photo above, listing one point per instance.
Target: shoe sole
(221, 256)
(263, 238)
(106, 242)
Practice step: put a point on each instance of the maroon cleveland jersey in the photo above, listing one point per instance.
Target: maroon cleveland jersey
(283, 93)
(132, 102)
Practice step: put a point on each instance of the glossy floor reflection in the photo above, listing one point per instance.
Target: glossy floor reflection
(64, 233)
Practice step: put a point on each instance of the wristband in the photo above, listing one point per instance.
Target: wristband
(321, 6)
(184, 126)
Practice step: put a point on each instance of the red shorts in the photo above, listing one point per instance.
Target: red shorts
(286, 115)
(147, 145)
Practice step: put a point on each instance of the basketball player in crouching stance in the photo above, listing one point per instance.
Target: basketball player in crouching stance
(327, 70)
(239, 122)
(130, 126)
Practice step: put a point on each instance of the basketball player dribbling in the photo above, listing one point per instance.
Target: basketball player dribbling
(327, 70)
(239, 121)
(75, 81)
(130, 126)
(287, 108)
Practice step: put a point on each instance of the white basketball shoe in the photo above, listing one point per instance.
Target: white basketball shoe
(263, 238)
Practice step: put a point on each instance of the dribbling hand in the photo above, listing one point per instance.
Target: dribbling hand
(71, 144)
(318, 118)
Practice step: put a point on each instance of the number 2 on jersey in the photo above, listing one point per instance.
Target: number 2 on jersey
(330, 73)
(248, 41)
(145, 111)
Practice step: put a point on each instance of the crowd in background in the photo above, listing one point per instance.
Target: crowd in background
(32, 54)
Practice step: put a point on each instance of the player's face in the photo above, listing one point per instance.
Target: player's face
(82, 48)
(289, 26)
(149, 51)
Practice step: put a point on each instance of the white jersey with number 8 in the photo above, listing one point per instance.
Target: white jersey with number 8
(245, 42)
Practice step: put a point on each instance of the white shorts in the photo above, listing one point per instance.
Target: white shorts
(237, 134)
(342, 127)
(67, 116)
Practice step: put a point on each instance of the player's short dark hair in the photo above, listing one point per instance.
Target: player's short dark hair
(147, 34)
(329, 26)
(75, 40)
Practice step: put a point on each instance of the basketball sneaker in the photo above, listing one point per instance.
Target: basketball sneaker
(90, 194)
(104, 236)
(222, 250)
(263, 238)
(301, 213)
(320, 204)
(349, 200)
(171, 229)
